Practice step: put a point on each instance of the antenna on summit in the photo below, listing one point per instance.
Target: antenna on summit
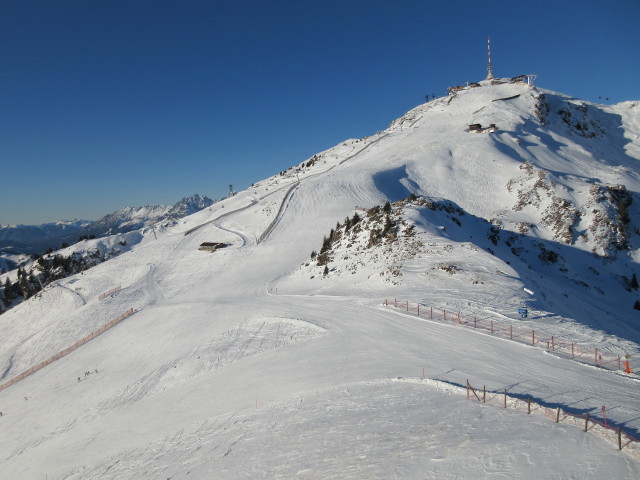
(489, 71)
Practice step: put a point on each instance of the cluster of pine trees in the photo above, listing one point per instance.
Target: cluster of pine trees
(45, 270)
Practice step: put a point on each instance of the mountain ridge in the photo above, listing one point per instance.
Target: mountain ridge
(37, 238)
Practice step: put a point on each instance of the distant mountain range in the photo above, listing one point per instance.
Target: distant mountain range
(29, 239)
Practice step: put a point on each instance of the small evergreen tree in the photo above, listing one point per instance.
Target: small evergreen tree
(387, 207)
(326, 270)
(634, 282)
(326, 245)
(388, 226)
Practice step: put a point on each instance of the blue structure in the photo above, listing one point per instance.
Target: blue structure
(523, 312)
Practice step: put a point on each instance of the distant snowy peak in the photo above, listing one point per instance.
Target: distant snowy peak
(37, 238)
(132, 218)
(127, 219)
(189, 205)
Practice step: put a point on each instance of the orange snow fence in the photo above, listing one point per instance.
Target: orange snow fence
(68, 350)
(110, 292)
(579, 352)
(586, 422)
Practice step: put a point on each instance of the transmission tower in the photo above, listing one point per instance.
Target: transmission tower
(489, 71)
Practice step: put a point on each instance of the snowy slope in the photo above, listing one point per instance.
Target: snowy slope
(239, 364)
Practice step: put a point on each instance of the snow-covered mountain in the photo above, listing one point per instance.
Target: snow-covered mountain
(132, 218)
(27, 239)
(275, 357)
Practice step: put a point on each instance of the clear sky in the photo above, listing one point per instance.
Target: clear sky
(112, 103)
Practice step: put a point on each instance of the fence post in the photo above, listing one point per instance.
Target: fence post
(572, 354)
(505, 398)
(618, 362)
(491, 326)
(597, 358)
(533, 337)
(619, 438)
(407, 305)
(484, 393)
(586, 422)
(467, 388)
(418, 309)
(558, 416)
(458, 318)
(529, 405)
(475, 320)
(511, 332)
(553, 346)
(395, 302)
(431, 312)
(444, 312)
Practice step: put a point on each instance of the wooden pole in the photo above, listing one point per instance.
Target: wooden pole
(529, 405)
(572, 354)
(619, 438)
(597, 357)
(407, 305)
(458, 318)
(586, 422)
(467, 388)
(511, 332)
(444, 312)
(418, 309)
(553, 346)
(505, 398)
(474, 322)
(491, 326)
(430, 312)
(473, 390)
(533, 337)
(484, 394)
(558, 416)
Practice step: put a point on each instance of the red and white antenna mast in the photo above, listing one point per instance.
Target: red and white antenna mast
(489, 72)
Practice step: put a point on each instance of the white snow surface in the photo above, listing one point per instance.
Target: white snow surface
(251, 363)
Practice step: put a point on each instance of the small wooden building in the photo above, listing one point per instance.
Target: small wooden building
(211, 246)
(477, 128)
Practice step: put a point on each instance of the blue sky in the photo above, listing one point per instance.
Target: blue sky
(105, 104)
